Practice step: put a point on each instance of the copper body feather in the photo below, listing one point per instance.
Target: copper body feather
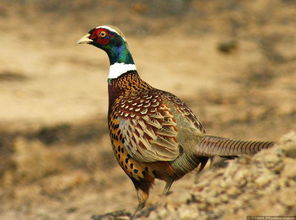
(155, 135)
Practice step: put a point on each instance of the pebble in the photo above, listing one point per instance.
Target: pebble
(232, 191)
(265, 179)
(189, 213)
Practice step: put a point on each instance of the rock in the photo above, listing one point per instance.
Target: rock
(264, 180)
(233, 191)
(189, 213)
(227, 47)
(288, 146)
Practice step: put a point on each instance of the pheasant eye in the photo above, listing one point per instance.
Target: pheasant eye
(102, 34)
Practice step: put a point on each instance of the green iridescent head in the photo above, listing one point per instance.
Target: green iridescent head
(112, 41)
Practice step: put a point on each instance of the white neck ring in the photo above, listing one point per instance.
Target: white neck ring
(117, 69)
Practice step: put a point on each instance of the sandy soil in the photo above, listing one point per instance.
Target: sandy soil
(233, 63)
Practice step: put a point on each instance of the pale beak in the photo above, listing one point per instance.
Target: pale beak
(85, 39)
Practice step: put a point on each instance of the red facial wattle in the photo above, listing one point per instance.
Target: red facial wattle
(102, 39)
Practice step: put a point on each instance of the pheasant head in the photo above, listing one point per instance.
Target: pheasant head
(112, 41)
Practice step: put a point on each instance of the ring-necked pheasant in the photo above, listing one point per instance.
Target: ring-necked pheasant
(153, 133)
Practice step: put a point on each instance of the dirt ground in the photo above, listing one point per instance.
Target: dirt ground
(233, 62)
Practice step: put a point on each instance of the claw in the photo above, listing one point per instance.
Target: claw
(140, 207)
(166, 190)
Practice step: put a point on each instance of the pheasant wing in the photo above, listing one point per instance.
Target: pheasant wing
(148, 127)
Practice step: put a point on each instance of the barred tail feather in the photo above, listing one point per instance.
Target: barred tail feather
(218, 146)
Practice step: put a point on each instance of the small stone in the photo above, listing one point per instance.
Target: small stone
(241, 174)
(270, 160)
(238, 203)
(214, 200)
(265, 179)
(289, 169)
(201, 205)
(289, 138)
(188, 213)
(170, 207)
(273, 162)
(161, 213)
(231, 170)
(233, 191)
(212, 193)
(227, 46)
(223, 184)
(224, 198)
(286, 198)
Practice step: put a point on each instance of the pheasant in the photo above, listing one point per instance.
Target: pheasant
(153, 132)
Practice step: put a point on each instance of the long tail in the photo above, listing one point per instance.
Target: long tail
(218, 146)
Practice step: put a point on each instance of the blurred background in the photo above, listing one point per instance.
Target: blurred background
(233, 62)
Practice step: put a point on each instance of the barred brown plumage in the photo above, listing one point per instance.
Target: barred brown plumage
(212, 146)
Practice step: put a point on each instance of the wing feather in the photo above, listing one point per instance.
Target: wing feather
(149, 127)
(151, 134)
